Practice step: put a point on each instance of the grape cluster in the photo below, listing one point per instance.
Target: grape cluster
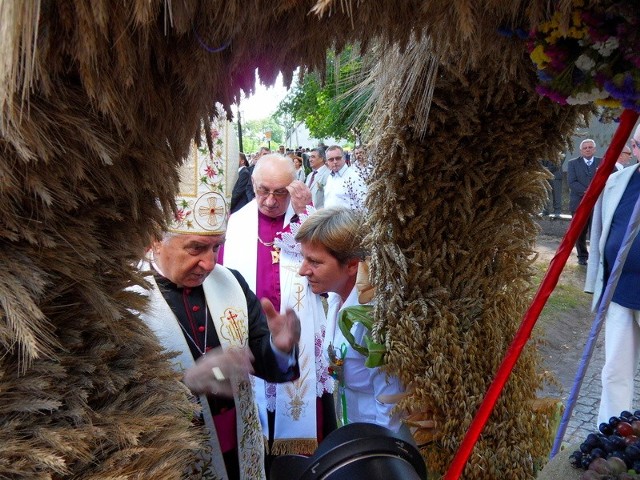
(614, 452)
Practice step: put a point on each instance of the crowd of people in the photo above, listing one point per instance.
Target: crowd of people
(252, 301)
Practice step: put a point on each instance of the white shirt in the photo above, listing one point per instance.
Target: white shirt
(345, 188)
(363, 385)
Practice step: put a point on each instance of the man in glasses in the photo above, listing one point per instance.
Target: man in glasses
(611, 218)
(345, 188)
(624, 159)
(260, 245)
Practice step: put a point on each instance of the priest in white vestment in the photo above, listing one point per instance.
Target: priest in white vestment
(295, 416)
(209, 315)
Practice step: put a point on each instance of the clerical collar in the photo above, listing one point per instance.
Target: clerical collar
(165, 284)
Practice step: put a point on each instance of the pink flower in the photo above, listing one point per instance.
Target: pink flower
(181, 214)
(209, 170)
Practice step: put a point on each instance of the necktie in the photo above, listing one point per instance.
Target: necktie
(313, 177)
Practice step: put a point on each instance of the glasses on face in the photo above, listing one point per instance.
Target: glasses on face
(334, 159)
(280, 193)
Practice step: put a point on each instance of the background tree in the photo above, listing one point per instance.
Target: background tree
(253, 133)
(330, 104)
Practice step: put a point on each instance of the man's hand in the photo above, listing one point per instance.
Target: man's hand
(285, 329)
(211, 373)
(300, 196)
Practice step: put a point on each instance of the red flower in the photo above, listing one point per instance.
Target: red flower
(210, 171)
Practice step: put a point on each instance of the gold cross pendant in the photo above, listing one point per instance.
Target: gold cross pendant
(275, 255)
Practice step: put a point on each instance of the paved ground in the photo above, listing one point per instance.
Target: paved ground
(585, 413)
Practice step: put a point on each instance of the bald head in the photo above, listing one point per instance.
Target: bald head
(275, 163)
(271, 176)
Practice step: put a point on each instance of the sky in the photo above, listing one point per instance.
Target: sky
(264, 102)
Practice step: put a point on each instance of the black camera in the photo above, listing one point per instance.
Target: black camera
(353, 452)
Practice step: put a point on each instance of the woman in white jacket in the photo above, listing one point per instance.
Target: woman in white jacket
(332, 248)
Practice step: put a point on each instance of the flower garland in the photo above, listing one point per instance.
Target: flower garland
(592, 57)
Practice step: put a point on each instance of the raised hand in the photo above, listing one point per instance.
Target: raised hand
(300, 196)
(284, 328)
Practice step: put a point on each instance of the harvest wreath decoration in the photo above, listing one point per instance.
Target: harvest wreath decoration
(594, 56)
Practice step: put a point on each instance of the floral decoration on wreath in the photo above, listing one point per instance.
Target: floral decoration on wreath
(594, 57)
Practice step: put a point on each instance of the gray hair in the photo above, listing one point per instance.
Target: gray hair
(336, 147)
(320, 153)
(588, 140)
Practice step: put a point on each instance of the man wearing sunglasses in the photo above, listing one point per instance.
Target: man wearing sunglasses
(345, 187)
(260, 245)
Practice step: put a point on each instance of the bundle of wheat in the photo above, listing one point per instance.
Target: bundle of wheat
(452, 226)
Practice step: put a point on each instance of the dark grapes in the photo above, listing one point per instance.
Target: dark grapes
(626, 414)
(593, 440)
(576, 459)
(586, 460)
(632, 452)
(616, 444)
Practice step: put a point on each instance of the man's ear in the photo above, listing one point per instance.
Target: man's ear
(155, 247)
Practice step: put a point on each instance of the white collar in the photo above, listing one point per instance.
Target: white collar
(340, 172)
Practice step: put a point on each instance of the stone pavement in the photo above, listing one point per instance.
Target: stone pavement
(585, 412)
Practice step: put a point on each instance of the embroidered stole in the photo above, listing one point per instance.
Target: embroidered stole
(294, 403)
(228, 309)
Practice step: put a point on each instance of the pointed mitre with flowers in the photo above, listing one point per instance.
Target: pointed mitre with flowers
(206, 182)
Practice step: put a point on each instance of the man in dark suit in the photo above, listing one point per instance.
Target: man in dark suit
(239, 194)
(579, 174)
(249, 188)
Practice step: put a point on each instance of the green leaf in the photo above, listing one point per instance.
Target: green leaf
(374, 352)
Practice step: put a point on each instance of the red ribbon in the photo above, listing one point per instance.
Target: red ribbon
(550, 280)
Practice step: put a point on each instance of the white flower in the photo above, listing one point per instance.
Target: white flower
(585, 63)
(582, 98)
(607, 47)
